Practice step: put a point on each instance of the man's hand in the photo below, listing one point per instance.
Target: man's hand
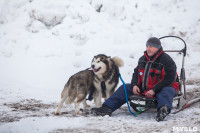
(136, 90)
(150, 93)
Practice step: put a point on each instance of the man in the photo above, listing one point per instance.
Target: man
(154, 76)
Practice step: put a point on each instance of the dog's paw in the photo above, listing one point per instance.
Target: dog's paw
(57, 113)
(79, 112)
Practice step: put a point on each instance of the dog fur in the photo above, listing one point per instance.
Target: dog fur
(104, 70)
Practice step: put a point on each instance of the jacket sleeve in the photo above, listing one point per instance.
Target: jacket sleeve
(169, 67)
(134, 80)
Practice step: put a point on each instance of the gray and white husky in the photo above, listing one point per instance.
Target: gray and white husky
(103, 77)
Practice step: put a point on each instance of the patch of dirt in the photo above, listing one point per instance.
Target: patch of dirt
(193, 82)
(35, 108)
(194, 94)
(77, 130)
(29, 105)
(26, 108)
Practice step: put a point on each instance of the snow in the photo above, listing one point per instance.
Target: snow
(44, 42)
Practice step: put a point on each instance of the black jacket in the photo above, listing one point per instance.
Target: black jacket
(155, 73)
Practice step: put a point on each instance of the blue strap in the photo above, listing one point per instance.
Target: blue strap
(126, 95)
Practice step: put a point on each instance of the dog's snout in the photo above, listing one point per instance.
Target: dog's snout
(92, 66)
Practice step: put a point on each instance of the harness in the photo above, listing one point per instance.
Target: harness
(103, 87)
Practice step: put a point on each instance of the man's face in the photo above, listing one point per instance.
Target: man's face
(151, 50)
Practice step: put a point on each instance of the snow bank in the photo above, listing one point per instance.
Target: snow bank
(44, 42)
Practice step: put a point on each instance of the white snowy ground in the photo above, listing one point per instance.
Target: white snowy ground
(44, 42)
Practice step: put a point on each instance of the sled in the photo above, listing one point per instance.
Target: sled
(141, 103)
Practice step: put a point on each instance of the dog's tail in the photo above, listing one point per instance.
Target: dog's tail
(118, 61)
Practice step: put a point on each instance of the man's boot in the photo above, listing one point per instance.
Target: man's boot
(102, 111)
(162, 113)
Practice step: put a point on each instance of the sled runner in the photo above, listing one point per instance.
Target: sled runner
(141, 103)
(188, 104)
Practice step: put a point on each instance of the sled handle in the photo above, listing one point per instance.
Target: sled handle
(182, 75)
(183, 50)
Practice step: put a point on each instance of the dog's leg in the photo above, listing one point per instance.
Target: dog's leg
(108, 94)
(80, 98)
(60, 104)
(97, 100)
(77, 110)
(85, 105)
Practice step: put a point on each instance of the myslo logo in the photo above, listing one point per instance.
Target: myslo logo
(185, 129)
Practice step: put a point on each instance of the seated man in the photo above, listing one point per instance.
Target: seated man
(154, 76)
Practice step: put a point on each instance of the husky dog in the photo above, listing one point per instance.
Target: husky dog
(103, 78)
(77, 87)
(106, 76)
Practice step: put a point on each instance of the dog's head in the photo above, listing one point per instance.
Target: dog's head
(100, 64)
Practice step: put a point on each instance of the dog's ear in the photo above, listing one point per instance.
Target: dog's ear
(93, 59)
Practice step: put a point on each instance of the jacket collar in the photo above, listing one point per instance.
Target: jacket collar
(155, 56)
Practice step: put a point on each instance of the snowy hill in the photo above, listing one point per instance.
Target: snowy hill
(44, 42)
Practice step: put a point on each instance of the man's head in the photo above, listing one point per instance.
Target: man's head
(152, 46)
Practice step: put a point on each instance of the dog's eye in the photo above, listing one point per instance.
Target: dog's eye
(98, 61)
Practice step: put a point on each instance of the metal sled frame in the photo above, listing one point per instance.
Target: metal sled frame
(135, 100)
